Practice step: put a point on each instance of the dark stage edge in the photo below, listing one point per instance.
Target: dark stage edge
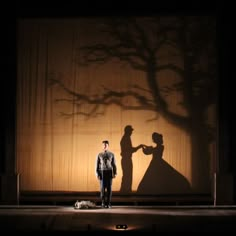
(125, 219)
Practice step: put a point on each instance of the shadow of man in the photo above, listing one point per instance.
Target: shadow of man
(126, 159)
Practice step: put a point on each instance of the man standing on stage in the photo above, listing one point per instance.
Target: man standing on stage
(106, 170)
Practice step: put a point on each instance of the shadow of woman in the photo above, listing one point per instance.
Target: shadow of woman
(160, 177)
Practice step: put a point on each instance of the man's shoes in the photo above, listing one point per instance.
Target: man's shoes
(109, 206)
(103, 205)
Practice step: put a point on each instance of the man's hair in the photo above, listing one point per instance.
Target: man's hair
(105, 141)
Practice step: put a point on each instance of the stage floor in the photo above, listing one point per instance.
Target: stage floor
(46, 218)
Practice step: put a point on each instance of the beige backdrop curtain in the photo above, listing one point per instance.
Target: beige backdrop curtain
(56, 152)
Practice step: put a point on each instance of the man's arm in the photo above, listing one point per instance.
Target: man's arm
(97, 170)
(114, 166)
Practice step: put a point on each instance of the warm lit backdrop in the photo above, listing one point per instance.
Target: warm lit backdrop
(57, 143)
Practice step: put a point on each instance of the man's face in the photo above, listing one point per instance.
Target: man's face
(105, 146)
